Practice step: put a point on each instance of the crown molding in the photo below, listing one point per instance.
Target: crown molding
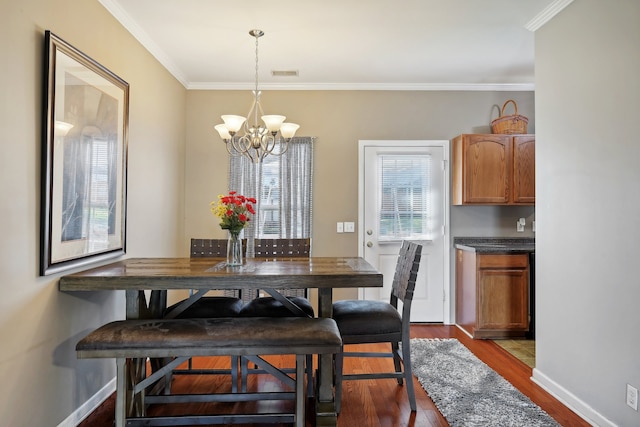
(547, 14)
(503, 87)
(144, 39)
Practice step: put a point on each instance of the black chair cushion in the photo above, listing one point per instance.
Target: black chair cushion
(270, 307)
(207, 307)
(361, 317)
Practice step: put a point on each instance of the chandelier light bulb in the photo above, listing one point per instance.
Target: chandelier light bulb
(223, 131)
(273, 122)
(233, 123)
(288, 130)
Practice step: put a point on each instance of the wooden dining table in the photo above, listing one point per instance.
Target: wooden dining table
(158, 275)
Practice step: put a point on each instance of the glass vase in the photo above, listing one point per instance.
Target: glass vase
(234, 249)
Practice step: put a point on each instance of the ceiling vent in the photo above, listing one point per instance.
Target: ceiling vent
(284, 73)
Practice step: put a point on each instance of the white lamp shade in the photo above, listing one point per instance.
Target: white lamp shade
(222, 130)
(273, 122)
(233, 123)
(287, 130)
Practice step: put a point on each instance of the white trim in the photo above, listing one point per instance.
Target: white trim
(571, 401)
(547, 14)
(139, 34)
(445, 144)
(90, 405)
(498, 87)
(464, 331)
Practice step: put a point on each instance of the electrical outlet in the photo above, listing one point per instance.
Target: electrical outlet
(520, 225)
(632, 397)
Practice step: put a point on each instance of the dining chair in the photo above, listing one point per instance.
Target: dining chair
(229, 304)
(363, 322)
(268, 306)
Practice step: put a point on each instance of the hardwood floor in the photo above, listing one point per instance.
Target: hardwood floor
(371, 403)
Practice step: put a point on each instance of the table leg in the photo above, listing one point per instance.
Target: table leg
(325, 400)
(134, 405)
(136, 369)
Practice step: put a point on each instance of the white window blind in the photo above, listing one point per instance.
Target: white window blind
(404, 200)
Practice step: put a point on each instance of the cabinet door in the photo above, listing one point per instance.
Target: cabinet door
(503, 285)
(524, 169)
(487, 165)
(466, 290)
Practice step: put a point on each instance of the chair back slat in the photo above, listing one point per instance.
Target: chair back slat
(291, 248)
(404, 279)
(212, 248)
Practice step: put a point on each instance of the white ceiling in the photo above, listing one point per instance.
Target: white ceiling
(342, 44)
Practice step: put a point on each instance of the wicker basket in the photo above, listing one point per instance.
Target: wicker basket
(514, 123)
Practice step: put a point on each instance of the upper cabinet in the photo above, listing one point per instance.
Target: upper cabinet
(494, 169)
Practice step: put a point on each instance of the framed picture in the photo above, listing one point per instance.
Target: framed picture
(84, 160)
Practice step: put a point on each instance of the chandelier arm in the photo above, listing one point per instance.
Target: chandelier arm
(254, 156)
(252, 117)
(242, 144)
(281, 142)
(284, 142)
(228, 144)
(268, 143)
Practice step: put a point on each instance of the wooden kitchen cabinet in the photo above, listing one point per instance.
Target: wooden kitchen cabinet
(492, 294)
(492, 169)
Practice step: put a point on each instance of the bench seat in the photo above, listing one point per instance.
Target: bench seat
(180, 339)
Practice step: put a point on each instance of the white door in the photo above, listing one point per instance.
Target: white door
(403, 196)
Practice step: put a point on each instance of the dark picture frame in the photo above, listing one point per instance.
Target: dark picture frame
(84, 160)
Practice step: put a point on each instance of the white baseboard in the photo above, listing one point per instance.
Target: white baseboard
(90, 405)
(570, 400)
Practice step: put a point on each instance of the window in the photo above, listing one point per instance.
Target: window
(284, 186)
(404, 206)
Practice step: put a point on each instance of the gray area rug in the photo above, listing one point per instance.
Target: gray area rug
(469, 393)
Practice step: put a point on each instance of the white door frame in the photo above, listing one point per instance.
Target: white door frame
(445, 144)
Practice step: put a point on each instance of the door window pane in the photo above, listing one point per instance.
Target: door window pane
(403, 202)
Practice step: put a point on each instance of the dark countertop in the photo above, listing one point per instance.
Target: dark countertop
(497, 245)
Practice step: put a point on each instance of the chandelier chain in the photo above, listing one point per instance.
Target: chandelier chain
(257, 64)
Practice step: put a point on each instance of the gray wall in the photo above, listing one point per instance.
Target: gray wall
(339, 119)
(588, 226)
(43, 382)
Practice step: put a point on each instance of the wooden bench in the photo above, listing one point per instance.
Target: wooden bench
(180, 339)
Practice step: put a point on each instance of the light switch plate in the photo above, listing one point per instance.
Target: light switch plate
(349, 227)
(340, 227)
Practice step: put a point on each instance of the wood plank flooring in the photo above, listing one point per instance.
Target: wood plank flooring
(370, 403)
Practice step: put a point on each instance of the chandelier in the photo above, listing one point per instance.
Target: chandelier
(257, 140)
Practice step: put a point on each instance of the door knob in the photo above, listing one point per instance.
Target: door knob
(369, 244)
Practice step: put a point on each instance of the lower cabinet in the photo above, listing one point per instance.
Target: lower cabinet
(492, 294)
